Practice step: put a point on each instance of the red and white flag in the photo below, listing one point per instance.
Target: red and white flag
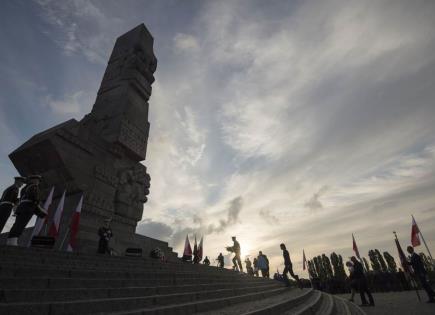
(200, 250)
(187, 253)
(54, 227)
(75, 226)
(355, 248)
(39, 224)
(195, 248)
(415, 238)
(304, 260)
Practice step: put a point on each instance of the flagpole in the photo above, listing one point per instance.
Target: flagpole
(424, 242)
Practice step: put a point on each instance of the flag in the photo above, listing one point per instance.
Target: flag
(41, 221)
(75, 226)
(415, 239)
(200, 250)
(304, 260)
(402, 257)
(54, 227)
(187, 254)
(355, 248)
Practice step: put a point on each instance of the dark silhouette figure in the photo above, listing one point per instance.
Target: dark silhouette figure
(237, 261)
(421, 273)
(359, 276)
(105, 233)
(249, 269)
(263, 264)
(220, 260)
(288, 267)
(255, 264)
(206, 261)
(353, 283)
(28, 206)
(9, 199)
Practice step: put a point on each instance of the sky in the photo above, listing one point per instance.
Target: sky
(282, 121)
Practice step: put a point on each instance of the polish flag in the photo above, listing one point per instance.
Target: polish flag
(355, 248)
(200, 251)
(187, 254)
(402, 257)
(41, 221)
(415, 239)
(304, 260)
(75, 226)
(195, 248)
(54, 227)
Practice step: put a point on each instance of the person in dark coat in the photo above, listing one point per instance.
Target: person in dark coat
(27, 207)
(105, 233)
(288, 267)
(421, 273)
(237, 261)
(220, 260)
(9, 200)
(353, 283)
(206, 261)
(360, 277)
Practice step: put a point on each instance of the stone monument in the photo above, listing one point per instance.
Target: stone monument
(100, 156)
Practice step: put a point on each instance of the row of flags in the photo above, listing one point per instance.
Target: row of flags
(54, 228)
(415, 241)
(197, 249)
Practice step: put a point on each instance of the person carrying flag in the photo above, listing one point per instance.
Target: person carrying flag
(421, 273)
(9, 199)
(361, 280)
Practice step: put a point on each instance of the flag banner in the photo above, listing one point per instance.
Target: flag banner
(74, 228)
(415, 239)
(195, 248)
(187, 249)
(402, 257)
(54, 227)
(39, 224)
(355, 248)
(304, 260)
(200, 250)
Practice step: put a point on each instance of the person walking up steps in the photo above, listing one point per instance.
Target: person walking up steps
(360, 277)
(288, 267)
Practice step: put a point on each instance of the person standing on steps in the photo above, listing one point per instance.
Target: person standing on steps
(352, 281)
(237, 261)
(220, 260)
(9, 200)
(263, 264)
(27, 207)
(360, 277)
(288, 267)
(105, 233)
(421, 273)
(255, 264)
(249, 269)
(206, 261)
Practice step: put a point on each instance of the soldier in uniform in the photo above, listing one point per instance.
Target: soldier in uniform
(105, 233)
(237, 261)
(27, 207)
(9, 199)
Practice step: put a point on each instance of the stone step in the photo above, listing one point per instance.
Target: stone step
(309, 306)
(327, 307)
(68, 283)
(354, 309)
(202, 306)
(91, 306)
(56, 295)
(341, 307)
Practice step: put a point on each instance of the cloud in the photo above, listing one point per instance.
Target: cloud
(75, 103)
(186, 43)
(268, 216)
(154, 229)
(314, 203)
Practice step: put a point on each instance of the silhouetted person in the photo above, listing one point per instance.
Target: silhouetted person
(249, 269)
(421, 273)
(27, 207)
(263, 264)
(353, 283)
(359, 276)
(288, 266)
(9, 200)
(255, 264)
(206, 261)
(237, 261)
(105, 233)
(220, 260)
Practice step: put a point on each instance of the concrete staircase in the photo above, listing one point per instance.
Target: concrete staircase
(37, 281)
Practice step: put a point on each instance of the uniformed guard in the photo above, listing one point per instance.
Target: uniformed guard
(27, 207)
(9, 200)
(105, 233)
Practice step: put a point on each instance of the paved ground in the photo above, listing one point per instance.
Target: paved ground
(399, 303)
